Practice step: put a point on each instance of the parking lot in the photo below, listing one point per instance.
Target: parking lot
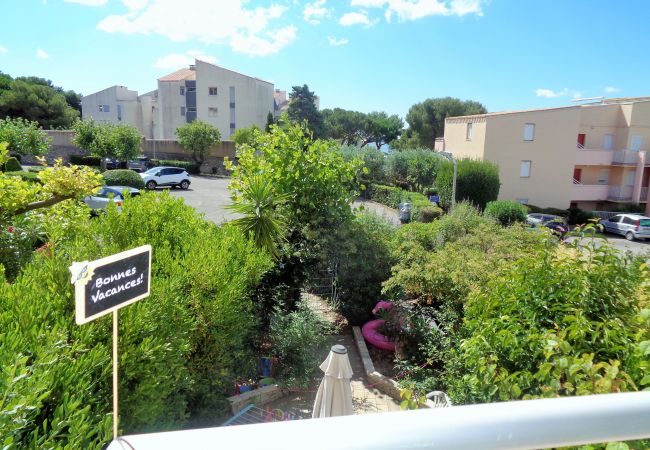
(208, 195)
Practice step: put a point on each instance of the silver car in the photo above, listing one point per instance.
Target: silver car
(109, 194)
(632, 226)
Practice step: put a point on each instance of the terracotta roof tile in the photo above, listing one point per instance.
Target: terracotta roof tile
(179, 75)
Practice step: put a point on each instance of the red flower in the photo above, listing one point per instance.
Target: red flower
(10, 229)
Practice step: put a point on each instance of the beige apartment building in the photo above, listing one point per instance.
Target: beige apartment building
(593, 156)
(222, 97)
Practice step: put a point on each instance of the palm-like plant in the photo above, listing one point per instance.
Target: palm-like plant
(261, 219)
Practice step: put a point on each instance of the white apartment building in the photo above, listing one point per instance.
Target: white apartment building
(224, 98)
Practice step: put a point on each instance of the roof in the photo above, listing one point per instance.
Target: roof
(180, 75)
(607, 101)
(234, 71)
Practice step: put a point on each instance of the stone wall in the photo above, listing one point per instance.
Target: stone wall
(62, 147)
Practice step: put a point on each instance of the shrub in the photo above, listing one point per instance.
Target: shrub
(414, 168)
(570, 322)
(180, 349)
(506, 212)
(13, 165)
(374, 161)
(191, 167)
(576, 216)
(81, 160)
(476, 182)
(27, 176)
(123, 177)
(295, 339)
(550, 210)
(429, 214)
(35, 169)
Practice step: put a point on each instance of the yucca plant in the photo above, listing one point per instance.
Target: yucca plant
(261, 219)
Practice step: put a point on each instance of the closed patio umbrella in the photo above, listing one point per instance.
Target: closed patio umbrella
(334, 397)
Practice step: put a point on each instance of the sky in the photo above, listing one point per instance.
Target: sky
(364, 55)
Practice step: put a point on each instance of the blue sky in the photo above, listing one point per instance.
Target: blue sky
(356, 54)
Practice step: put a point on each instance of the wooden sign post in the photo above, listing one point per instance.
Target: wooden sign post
(106, 285)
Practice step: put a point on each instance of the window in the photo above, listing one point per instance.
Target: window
(182, 90)
(212, 112)
(629, 221)
(232, 126)
(182, 110)
(191, 109)
(232, 104)
(524, 169)
(603, 177)
(232, 94)
(468, 132)
(191, 89)
(629, 180)
(615, 219)
(529, 132)
(523, 201)
(119, 113)
(104, 108)
(608, 141)
(635, 143)
(212, 91)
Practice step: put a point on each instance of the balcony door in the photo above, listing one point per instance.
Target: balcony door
(581, 140)
(577, 176)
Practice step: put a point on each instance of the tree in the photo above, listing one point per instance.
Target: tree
(344, 125)
(107, 140)
(476, 181)
(302, 108)
(269, 121)
(23, 137)
(380, 128)
(197, 137)
(427, 119)
(245, 135)
(38, 101)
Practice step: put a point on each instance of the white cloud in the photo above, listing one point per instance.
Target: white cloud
(612, 89)
(40, 53)
(315, 11)
(549, 93)
(180, 60)
(418, 9)
(354, 18)
(88, 2)
(245, 30)
(336, 42)
(3, 49)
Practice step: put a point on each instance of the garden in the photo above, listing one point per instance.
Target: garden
(483, 308)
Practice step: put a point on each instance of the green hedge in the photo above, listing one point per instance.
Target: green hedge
(191, 167)
(80, 160)
(181, 349)
(12, 165)
(506, 212)
(476, 182)
(27, 176)
(392, 196)
(123, 177)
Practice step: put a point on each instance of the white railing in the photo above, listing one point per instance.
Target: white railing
(625, 156)
(619, 193)
(579, 145)
(575, 181)
(643, 197)
(531, 424)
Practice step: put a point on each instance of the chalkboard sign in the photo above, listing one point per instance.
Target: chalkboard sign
(107, 284)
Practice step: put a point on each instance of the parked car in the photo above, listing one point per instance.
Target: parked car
(557, 224)
(109, 194)
(111, 163)
(166, 176)
(632, 226)
(139, 164)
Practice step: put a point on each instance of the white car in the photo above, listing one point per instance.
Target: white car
(109, 194)
(166, 176)
(632, 226)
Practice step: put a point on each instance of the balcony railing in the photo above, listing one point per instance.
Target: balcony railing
(618, 193)
(643, 197)
(589, 192)
(593, 156)
(625, 157)
(531, 424)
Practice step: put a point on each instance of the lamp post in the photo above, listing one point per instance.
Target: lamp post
(450, 157)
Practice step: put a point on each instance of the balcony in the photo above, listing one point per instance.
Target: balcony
(594, 157)
(589, 192)
(629, 157)
(643, 198)
(620, 194)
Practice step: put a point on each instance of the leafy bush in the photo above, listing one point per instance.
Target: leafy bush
(295, 339)
(572, 322)
(429, 214)
(191, 167)
(476, 181)
(81, 160)
(123, 177)
(35, 169)
(374, 161)
(362, 251)
(13, 165)
(180, 349)
(27, 176)
(506, 212)
(576, 216)
(393, 196)
(414, 169)
(550, 210)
